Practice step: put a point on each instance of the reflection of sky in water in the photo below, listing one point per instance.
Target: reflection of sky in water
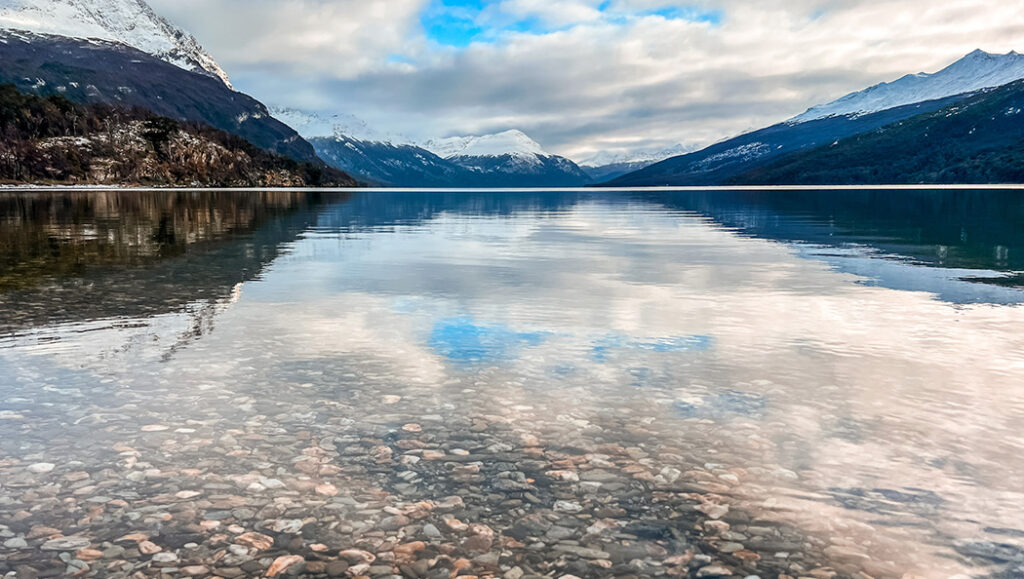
(462, 340)
(785, 364)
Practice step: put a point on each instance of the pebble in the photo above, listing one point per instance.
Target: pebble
(42, 468)
(714, 571)
(66, 544)
(16, 543)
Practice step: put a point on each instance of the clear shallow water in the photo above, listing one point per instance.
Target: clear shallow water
(842, 368)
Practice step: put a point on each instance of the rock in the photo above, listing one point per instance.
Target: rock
(337, 568)
(286, 526)
(410, 549)
(282, 564)
(66, 544)
(431, 532)
(714, 571)
(582, 552)
(327, 490)
(16, 543)
(185, 495)
(42, 468)
(165, 558)
(394, 523)
(568, 507)
(89, 555)
(358, 556)
(149, 548)
(257, 541)
(195, 570)
(713, 511)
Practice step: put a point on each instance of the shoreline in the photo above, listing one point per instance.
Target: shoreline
(751, 188)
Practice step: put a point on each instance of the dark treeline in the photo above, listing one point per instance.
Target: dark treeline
(53, 140)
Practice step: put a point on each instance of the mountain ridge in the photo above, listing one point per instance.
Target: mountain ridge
(975, 71)
(130, 22)
(89, 71)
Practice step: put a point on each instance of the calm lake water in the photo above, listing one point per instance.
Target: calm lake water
(599, 383)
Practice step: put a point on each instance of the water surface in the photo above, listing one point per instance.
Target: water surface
(843, 370)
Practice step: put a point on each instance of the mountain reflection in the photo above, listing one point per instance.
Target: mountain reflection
(80, 256)
(971, 237)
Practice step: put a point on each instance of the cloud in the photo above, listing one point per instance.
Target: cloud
(585, 75)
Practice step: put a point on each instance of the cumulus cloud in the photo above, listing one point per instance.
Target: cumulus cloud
(587, 75)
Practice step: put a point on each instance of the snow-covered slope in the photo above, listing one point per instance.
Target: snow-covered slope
(506, 143)
(131, 22)
(976, 71)
(640, 156)
(341, 126)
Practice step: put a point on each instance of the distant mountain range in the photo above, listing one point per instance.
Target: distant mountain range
(506, 159)
(605, 166)
(886, 115)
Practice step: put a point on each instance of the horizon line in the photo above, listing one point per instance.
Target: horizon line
(709, 188)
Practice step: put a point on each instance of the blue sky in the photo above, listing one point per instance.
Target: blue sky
(459, 23)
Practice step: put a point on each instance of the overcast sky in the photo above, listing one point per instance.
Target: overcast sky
(583, 75)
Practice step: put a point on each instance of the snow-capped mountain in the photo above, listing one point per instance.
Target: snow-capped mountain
(313, 125)
(505, 143)
(509, 159)
(130, 22)
(978, 70)
(608, 165)
(648, 156)
(91, 71)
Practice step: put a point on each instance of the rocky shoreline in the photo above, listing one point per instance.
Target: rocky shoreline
(372, 497)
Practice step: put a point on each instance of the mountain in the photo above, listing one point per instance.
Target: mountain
(979, 140)
(722, 162)
(386, 163)
(605, 166)
(856, 114)
(507, 159)
(974, 72)
(52, 140)
(130, 22)
(103, 71)
(499, 144)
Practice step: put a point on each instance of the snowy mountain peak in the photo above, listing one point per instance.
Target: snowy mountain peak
(640, 156)
(511, 142)
(340, 126)
(130, 22)
(978, 70)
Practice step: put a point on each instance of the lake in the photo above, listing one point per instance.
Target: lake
(516, 384)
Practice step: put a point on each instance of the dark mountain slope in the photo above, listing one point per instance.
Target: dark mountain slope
(389, 164)
(93, 71)
(405, 165)
(723, 162)
(52, 140)
(979, 140)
